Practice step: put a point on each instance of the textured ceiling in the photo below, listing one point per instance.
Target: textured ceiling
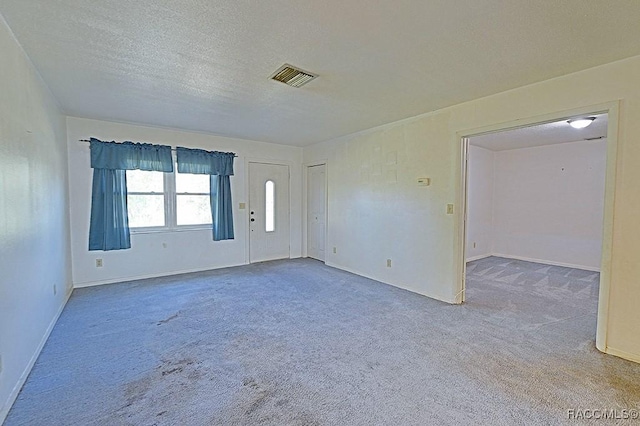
(541, 134)
(204, 65)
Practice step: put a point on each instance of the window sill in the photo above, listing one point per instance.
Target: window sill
(163, 230)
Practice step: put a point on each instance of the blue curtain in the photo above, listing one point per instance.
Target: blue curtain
(109, 224)
(219, 165)
(221, 207)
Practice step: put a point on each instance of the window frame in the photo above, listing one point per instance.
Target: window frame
(170, 207)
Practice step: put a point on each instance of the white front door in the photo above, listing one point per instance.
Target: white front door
(268, 212)
(316, 206)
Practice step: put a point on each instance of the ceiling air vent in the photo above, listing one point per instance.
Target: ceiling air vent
(292, 76)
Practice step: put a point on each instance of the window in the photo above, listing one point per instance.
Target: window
(164, 201)
(270, 206)
(192, 199)
(145, 198)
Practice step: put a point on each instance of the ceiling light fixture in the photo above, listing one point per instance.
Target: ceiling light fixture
(581, 123)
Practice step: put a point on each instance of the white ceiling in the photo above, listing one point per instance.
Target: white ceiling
(204, 65)
(541, 134)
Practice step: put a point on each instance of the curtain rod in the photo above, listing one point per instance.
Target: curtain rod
(172, 149)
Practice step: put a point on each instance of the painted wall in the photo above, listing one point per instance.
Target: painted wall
(34, 226)
(164, 253)
(549, 203)
(376, 210)
(479, 236)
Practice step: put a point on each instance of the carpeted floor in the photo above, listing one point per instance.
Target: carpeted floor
(298, 343)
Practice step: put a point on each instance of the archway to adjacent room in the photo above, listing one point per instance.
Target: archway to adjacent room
(501, 232)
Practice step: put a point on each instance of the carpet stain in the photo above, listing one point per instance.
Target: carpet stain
(135, 391)
(166, 320)
(264, 403)
(259, 398)
(170, 366)
(172, 370)
(282, 402)
(184, 371)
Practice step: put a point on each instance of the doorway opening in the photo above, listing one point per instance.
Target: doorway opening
(537, 212)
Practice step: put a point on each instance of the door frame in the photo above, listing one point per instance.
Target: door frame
(612, 167)
(305, 207)
(247, 191)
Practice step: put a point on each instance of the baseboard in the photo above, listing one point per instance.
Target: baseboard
(356, 272)
(622, 354)
(23, 377)
(162, 274)
(547, 262)
(144, 277)
(480, 256)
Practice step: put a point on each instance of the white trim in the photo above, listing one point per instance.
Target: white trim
(164, 229)
(612, 170)
(622, 354)
(460, 224)
(305, 198)
(481, 256)
(147, 276)
(4, 411)
(547, 262)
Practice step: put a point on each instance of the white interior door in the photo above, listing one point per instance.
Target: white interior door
(268, 212)
(316, 211)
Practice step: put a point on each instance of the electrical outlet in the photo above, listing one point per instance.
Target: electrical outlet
(388, 263)
(335, 250)
(98, 263)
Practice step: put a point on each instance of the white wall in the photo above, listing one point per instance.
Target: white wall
(373, 216)
(34, 226)
(164, 253)
(549, 203)
(479, 203)
(543, 204)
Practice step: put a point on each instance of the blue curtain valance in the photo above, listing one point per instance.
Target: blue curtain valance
(199, 161)
(130, 156)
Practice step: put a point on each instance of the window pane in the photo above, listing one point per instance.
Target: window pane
(144, 181)
(270, 206)
(145, 210)
(193, 209)
(193, 184)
